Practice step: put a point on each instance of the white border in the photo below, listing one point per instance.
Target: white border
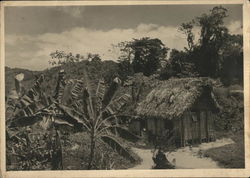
(133, 173)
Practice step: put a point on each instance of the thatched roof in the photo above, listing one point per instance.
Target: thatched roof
(174, 96)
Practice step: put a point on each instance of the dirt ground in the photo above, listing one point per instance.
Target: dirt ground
(184, 158)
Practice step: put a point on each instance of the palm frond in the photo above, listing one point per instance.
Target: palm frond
(90, 99)
(74, 118)
(24, 121)
(60, 86)
(32, 104)
(111, 91)
(30, 110)
(85, 102)
(117, 146)
(77, 89)
(126, 134)
(58, 121)
(100, 92)
(33, 94)
(116, 105)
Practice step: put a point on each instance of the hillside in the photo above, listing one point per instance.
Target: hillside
(10, 74)
(106, 69)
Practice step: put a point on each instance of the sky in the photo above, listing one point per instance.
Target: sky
(32, 33)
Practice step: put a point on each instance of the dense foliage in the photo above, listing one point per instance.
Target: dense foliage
(75, 104)
(213, 53)
(142, 55)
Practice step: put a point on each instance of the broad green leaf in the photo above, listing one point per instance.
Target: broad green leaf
(100, 92)
(126, 134)
(34, 93)
(111, 91)
(73, 117)
(117, 146)
(117, 104)
(59, 121)
(77, 89)
(30, 110)
(60, 86)
(24, 121)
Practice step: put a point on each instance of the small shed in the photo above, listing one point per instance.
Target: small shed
(184, 108)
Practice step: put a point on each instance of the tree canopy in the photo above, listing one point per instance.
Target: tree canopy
(142, 55)
(214, 52)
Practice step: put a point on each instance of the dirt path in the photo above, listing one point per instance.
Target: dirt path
(146, 156)
(184, 158)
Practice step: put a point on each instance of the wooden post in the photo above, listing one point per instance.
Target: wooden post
(199, 120)
(155, 133)
(182, 133)
(206, 121)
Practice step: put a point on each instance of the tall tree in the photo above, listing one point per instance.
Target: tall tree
(213, 33)
(144, 55)
(178, 65)
(232, 60)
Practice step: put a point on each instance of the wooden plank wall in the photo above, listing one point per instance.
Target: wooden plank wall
(160, 127)
(211, 129)
(195, 127)
(177, 133)
(203, 124)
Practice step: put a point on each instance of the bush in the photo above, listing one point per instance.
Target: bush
(231, 116)
(27, 150)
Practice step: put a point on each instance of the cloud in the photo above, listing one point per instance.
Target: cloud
(33, 51)
(235, 27)
(74, 11)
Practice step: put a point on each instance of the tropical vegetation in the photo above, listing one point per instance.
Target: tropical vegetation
(80, 107)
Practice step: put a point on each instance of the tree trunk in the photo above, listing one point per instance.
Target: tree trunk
(92, 151)
(57, 153)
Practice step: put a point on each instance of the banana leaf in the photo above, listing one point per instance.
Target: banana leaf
(60, 86)
(100, 92)
(24, 121)
(77, 89)
(116, 105)
(111, 91)
(126, 134)
(73, 117)
(114, 144)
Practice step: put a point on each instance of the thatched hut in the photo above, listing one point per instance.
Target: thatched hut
(184, 107)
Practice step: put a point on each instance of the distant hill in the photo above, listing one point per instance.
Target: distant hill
(106, 69)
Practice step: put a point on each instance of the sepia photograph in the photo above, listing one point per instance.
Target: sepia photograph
(124, 87)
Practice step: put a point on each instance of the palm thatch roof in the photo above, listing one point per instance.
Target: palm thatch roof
(174, 96)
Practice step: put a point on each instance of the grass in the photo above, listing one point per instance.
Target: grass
(232, 155)
(76, 155)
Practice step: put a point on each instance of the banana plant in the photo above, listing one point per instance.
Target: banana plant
(96, 111)
(35, 106)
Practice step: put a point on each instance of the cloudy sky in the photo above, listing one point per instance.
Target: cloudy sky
(32, 33)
